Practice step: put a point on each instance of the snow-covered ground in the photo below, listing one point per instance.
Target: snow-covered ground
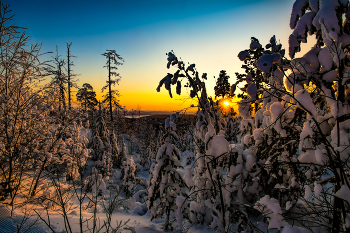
(135, 222)
(130, 212)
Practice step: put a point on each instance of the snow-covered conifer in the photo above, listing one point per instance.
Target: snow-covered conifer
(166, 184)
(128, 177)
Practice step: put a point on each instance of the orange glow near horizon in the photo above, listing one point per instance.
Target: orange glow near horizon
(154, 101)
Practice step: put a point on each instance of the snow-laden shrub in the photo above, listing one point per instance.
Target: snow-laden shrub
(128, 177)
(302, 134)
(166, 183)
(105, 147)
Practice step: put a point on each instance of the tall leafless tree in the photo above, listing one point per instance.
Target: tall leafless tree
(113, 60)
(59, 80)
(70, 76)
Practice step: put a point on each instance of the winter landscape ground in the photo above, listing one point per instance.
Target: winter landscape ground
(276, 161)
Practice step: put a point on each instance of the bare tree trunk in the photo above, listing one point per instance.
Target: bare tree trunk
(337, 218)
(38, 177)
(62, 89)
(110, 88)
(337, 222)
(68, 70)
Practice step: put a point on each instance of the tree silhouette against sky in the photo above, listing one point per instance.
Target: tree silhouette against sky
(113, 60)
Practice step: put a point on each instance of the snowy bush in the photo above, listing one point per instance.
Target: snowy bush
(128, 177)
(166, 184)
(105, 147)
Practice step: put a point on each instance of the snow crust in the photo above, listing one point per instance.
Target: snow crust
(317, 188)
(273, 211)
(218, 146)
(343, 193)
(304, 101)
(308, 192)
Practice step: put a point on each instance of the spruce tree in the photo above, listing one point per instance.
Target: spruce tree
(166, 184)
(222, 87)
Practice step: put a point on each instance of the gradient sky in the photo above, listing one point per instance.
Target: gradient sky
(207, 33)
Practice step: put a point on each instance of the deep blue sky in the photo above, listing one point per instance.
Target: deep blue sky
(56, 18)
(208, 33)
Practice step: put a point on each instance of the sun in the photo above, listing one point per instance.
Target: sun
(226, 103)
